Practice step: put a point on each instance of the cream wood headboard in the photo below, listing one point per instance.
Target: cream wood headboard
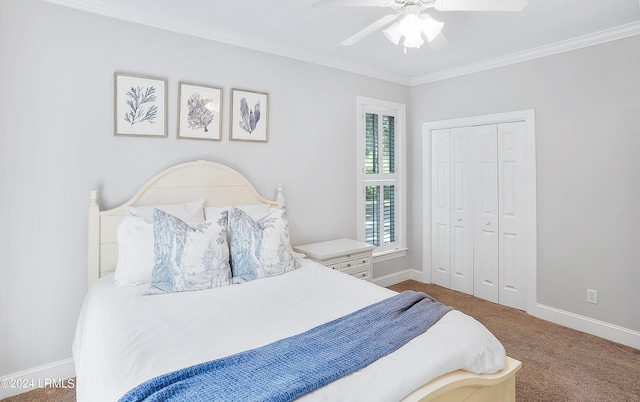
(218, 184)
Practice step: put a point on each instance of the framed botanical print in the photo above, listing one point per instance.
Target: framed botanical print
(199, 112)
(140, 105)
(249, 116)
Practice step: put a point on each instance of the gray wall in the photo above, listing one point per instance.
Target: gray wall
(587, 105)
(56, 142)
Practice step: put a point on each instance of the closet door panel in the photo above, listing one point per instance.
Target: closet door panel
(512, 214)
(486, 214)
(462, 201)
(441, 209)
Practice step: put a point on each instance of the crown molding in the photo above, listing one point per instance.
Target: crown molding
(620, 32)
(207, 32)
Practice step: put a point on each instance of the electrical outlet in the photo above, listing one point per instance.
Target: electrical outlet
(592, 296)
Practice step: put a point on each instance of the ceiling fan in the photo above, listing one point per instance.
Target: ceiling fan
(409, 20)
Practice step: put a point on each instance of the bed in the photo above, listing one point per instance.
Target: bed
(125, 337)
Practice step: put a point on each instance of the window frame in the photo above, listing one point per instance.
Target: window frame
(365, 105)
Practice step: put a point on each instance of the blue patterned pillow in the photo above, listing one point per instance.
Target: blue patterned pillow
(189, 258)
(260, 248)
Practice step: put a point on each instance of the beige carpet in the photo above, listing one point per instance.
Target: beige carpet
(558, 363)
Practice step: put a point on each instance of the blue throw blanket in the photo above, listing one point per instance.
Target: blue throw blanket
(291, 367)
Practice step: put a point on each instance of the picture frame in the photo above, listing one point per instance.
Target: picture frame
(199, 112)
(140, 105)
(249, 116)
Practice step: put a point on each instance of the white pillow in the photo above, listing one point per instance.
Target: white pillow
(255, 211)
(135, 240)
(261, 248)
(190, 212)
(189, 258)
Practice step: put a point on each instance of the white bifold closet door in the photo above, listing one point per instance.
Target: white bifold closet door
(478, 225)
(486, 215)
(462, 222)
(512, 215)
(440, 208)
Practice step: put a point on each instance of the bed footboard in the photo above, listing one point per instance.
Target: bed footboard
(463, 386)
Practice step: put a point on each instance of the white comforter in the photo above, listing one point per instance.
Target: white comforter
(124, 338)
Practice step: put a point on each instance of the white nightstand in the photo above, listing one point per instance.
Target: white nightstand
(346, 255)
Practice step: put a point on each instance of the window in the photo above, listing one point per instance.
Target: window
(381, 181)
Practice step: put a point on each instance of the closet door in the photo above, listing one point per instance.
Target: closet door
(462, 201)
(483, 197)
(441, 213)
(486, 215)
(512, 211)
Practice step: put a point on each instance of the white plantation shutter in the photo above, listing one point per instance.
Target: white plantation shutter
(372, 215)
(381, 185)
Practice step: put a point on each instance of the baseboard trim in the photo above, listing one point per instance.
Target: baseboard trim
(589, 325)
(397, 277)
(38, 377)
(614, 333)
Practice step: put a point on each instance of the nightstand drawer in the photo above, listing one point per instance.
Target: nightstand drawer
(334, 266)
(361, 274)
(363, 260)
(347, 265)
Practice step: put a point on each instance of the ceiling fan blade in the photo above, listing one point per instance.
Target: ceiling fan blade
(439, 42)
(352, 3)
(480, 5)
(387, 19)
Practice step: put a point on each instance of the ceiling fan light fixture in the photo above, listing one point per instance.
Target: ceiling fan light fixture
(410, 27)
(431, 27)
(393, 33)
(413, 41)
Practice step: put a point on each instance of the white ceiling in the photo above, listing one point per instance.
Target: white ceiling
(293, 28)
